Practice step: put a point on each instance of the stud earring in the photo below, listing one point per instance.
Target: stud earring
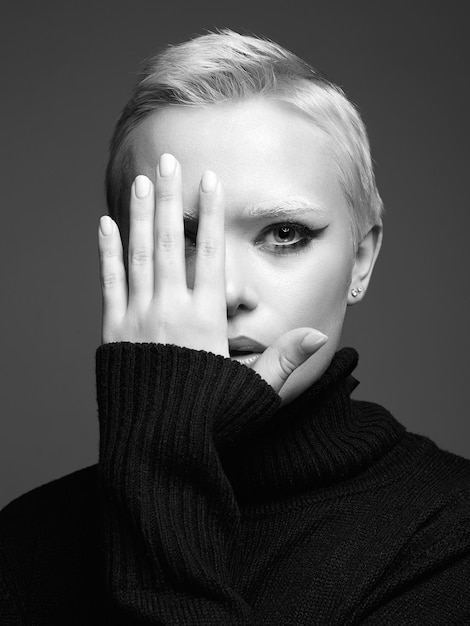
(355, 292)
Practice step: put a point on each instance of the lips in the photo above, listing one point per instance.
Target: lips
(245, 350)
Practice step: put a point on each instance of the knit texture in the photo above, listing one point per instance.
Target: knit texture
(213, 505)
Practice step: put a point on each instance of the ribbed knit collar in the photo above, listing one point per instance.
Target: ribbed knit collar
(322, 437)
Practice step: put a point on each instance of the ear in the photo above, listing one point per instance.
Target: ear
(366, 256)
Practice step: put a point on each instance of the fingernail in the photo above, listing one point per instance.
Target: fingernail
(312, 341)
(166, 165)
(208, 181)
(142, 186)
(106, 225)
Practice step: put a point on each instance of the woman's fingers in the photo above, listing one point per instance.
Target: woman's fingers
(159, 307)
(113, 276)
(170, 270)
(286, 354)
(210, 242)
(141, 221)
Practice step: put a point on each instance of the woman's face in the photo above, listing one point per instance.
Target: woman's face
(289, 251)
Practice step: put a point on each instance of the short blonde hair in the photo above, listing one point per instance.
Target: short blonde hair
(224, 66)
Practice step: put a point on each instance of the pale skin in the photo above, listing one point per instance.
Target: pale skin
(200, 297)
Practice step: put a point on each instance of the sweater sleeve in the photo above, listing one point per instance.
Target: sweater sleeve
(170, 517)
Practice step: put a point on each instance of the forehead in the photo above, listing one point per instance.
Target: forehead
(260, 149)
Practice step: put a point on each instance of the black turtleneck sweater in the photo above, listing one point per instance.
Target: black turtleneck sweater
(211, 505)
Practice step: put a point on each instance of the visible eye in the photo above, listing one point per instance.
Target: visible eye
(286, 234)
(287, 237)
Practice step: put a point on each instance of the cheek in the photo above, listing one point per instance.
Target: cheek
(317, 296)
(321, 304)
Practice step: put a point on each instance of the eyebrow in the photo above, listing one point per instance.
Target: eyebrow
(277, 208)
(283, 207)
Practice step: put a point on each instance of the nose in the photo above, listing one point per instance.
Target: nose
(239, 292)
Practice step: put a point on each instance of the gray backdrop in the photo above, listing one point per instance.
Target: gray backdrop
(68, 68)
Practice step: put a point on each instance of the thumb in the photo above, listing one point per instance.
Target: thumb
(285, 355)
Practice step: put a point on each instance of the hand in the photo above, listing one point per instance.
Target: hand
(158, 306)
(284, 356)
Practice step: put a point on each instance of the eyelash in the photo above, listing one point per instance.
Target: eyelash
(307, 236)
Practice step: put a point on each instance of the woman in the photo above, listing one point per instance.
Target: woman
(238, 483)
